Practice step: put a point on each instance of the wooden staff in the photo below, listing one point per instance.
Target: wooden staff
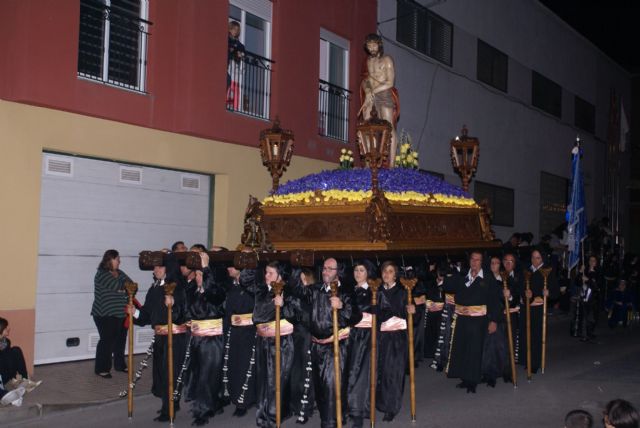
(527, 282)
(512, 358)
(131, 288)
(277, 290)
(168, 291)
(336, 356)
(545, 271)
(408, 285)
(373, 377)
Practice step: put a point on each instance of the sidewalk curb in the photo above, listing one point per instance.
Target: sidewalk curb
(17, 416)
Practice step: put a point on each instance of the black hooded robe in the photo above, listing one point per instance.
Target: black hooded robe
(204, 380)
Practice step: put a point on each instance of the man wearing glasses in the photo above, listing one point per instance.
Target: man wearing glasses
(319, 298)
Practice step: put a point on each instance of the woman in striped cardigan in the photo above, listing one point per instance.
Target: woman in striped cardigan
(108, 309)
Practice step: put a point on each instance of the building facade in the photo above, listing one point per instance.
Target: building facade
(126, 125)
(525, 84)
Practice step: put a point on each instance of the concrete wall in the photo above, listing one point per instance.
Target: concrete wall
(517, 140)
(27, 131)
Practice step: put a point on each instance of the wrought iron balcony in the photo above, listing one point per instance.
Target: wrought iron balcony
(333, 111)
(249, 85)
(113, 43)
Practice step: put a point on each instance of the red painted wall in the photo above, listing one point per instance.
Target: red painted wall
(186, 74)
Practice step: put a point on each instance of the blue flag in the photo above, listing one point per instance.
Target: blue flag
(576, 214)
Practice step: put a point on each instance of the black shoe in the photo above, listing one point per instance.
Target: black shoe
(471, 389)
(357, 422)
(239, 412)
(220, 410)
(301, 420)
(198, 422)
(506, 378)
(162, 417)
(491, 383)
(121, 369)
(388, 417)
(440, 368)
(105, 375)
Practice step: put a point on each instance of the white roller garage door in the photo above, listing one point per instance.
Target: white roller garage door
(87, 207)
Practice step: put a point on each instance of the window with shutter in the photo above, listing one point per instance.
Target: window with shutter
(585, 115)
(113, 42)
(546, 94)
(492, 66)
(422, 30)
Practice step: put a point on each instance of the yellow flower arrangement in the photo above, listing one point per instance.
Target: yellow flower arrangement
(346, 159)
(408, 158)
(348, 197)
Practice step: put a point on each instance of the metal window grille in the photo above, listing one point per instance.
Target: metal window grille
(585, 115)
(333, 111)
(546, 94)
(113, 42)
(249, 85)
(424, 31)
(492, 66)
(500, 199)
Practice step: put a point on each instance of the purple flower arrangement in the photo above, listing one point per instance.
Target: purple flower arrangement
(395, 180)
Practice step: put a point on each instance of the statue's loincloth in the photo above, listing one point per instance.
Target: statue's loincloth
(383, 99)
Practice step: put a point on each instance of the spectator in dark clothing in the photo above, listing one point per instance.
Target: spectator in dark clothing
(108, 313)
(620, 414)
(578, 419)
(619, 304)
(13, 369)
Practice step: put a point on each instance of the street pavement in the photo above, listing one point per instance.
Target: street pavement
(578, 376)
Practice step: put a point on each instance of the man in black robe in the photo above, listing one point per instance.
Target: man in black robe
(441, 355)
(358, 385)
(240, 348)
(264, 319)
(515, 283)
(434, 309)
(536, 295)
(393, 347)
(205, 301)
(154, 312)
(419, 317)
(302, 391)
(322, 305)
(477, 309)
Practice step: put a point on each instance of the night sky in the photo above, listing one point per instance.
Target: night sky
(610, 25)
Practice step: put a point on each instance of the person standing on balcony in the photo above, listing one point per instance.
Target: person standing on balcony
(235, 51)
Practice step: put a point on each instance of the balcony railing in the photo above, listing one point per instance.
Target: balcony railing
(113, 44)
(333, 111)
(249, 85)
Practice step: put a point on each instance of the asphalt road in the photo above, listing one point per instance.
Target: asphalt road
(578, 375)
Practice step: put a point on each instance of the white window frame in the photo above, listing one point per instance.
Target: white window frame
(142, 69)
(263, 10)
(327, 38)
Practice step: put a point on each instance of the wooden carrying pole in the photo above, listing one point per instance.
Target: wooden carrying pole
(277, 290)
(408, 285)
(507, 314)
(336, 356)
(545, 275)
(373, 377)
(168, 291)
(527, 282)
(131, 288)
